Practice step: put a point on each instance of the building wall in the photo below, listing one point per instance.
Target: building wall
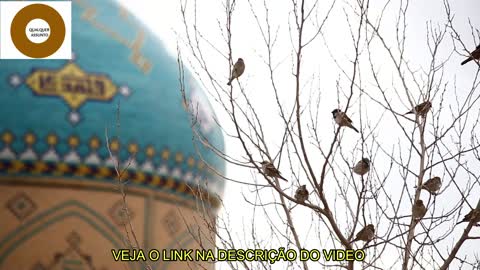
(60, 204)
(59, 224)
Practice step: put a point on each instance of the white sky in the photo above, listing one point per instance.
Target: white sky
(164, 18)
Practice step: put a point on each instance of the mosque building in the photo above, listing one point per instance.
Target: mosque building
(60, 197)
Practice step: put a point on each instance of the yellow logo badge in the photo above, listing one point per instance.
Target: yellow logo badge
(72, 84)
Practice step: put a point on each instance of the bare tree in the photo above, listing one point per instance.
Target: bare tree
(362, 57)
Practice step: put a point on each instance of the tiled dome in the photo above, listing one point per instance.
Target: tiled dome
(53, 113)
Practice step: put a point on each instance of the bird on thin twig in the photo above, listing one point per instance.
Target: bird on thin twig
(301, 194)
(362, 167)
(474, 215)
(366, 234)
(473, 55)
(237, 71)
(418, 210)
(421, 109)
(342, 119)
(432, 185)
(270, 170)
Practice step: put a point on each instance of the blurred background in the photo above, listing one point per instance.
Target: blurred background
(186, 169)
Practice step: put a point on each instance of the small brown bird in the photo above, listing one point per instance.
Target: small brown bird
(418, 210)
(421, 109)
(366, 234)
(237, 71)
(472, 215)
(362, 167)
(270, 170)
(301, 194)
(432, 185)
(473, 55)
(342, 119)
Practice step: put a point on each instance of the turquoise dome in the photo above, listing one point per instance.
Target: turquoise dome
(54, 113)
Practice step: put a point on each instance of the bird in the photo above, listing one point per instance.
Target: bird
(362, 167)
(237, 71)
(301, 194)
(421, 109)
(418, 210)
(366, 234)
(473, 55)
(342, 119)
(432, 185)
(270, 170)
(472, 215)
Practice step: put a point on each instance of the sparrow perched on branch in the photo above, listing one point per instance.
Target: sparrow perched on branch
(342, 119)
(366, 234)
(362, 167)
(270, 170)
(301, 194)
(418, 210)
(473, 55)
(421, 109)
(432, 185)
(237, 71)
(472, 215)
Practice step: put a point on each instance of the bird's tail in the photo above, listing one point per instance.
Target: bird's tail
(352, 127)
(281, 177)
(459, 222)
(229, 82)
(466, 61)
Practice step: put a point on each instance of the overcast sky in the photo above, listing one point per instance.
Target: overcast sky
(163, 17)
